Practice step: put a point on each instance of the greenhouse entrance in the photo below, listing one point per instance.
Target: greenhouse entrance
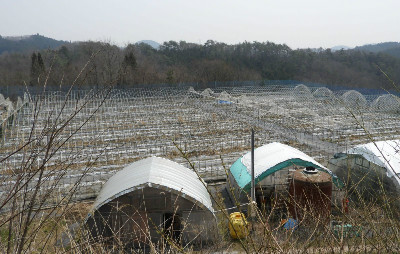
(172, 226)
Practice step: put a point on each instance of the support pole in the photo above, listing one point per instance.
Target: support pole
(253, 204)
(253, 187)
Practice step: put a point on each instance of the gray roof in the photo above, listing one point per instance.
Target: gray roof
(157, 173)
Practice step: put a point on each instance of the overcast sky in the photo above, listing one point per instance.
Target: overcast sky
(298, 23)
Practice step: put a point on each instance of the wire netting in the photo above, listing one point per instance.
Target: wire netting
(207, 125)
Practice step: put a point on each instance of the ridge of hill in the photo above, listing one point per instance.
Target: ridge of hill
(378, 47)
(28, 43)
(390, 48)
(153, 44)
(185, 62)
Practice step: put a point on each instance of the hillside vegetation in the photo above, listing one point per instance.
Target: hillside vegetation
(177, 62)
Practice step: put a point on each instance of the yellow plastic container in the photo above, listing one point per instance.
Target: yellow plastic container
(238, 227)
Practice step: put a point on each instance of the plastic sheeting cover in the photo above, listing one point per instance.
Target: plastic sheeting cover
(267, 156)
(382, 153)
(157, 171)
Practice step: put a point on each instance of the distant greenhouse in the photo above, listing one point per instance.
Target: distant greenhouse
(387, 102)
(354, 98)
(301, 91)
(323, 92)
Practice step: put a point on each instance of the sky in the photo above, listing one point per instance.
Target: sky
(297, 23)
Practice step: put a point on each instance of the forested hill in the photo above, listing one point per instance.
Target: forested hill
(390, 48)
(379, 47)
(393, 52)
(28, 43)
(183, 62)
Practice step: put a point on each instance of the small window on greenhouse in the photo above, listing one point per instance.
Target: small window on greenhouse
(366, 163)
(359, 161)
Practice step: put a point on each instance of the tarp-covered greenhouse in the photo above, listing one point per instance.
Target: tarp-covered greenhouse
(269, 159)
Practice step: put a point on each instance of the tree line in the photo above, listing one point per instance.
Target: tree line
(95, 63)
